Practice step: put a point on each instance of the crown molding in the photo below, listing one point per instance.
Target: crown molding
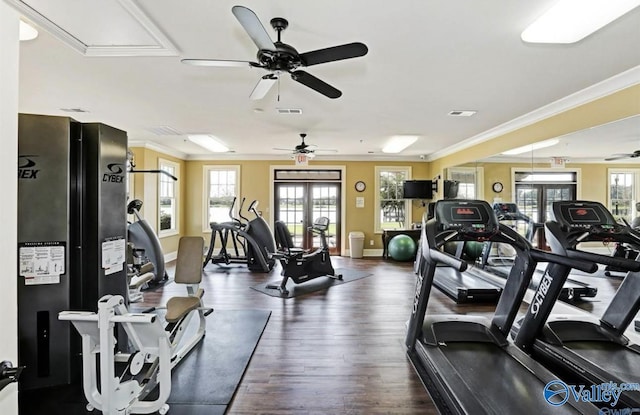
(609, 86)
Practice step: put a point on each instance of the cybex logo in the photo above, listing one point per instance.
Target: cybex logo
(416, 297)
(26, 166)
(115, 173)
(540, 295)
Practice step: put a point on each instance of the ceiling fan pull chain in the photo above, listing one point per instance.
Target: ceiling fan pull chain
(278, 89)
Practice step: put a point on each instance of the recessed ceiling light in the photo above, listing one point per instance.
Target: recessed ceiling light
(208, 142)
(27, 31)
(462, 113)
(569, 21)
(531, 147)
(398, 143)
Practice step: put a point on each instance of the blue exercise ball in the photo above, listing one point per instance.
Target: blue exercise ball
(402, 248)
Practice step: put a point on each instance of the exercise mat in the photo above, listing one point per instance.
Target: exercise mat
(203, 383)
(317, 284)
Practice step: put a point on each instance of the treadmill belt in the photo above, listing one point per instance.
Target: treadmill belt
(615, 359)
(466, 287)
(500, 382)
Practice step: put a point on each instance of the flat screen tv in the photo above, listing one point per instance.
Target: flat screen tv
(451, 189)
(417, 189)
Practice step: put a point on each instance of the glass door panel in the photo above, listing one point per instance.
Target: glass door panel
(299, 204)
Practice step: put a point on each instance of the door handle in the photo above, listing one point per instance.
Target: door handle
(8, 373)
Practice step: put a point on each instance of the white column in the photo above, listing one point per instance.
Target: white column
(9, 46)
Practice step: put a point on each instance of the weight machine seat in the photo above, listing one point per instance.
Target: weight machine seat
(178, 307)
(188, 271)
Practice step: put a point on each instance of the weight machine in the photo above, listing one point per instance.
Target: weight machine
(155, 349)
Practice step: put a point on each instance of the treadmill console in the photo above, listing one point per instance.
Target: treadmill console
(505, 208)
(473, 218)
(587, 216)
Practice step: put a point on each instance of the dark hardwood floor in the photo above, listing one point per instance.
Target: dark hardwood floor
(337, 351)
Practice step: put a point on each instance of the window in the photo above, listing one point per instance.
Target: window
(393, 211)
(222, 184)
(168, 199)
(623, 193)
(470, 180)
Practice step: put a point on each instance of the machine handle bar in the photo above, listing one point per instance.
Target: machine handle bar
(448, 259)
(579, 264)
(622, 263)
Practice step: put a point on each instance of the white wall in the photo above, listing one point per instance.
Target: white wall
(9, 46)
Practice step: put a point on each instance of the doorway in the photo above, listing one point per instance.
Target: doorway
(536, 192)
(299, 203)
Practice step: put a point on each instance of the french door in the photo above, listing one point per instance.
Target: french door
(535, 200)
(298, 204)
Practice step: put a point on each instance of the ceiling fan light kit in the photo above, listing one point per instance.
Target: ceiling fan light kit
(303, 148)
(278, 57)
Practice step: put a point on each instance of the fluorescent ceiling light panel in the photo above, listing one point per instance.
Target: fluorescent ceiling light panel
(531, 147)
(398, 143)
(209, 142)
(462, 113)
(27, 32)
(569, 21)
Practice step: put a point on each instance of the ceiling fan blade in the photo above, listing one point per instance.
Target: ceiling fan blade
(263, 86)
(316, 84)
(335, 53)
(218, 63)
(253, 27)
(620, 156)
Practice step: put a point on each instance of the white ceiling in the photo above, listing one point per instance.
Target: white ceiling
(425, 59)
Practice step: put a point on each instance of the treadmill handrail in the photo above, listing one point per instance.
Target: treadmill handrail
(618, 262)
(579, 264)
(448, 259)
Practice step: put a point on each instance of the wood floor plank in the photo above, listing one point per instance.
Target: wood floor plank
(337, 351)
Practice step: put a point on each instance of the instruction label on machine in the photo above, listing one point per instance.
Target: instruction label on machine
(113, 255)
(41, 262)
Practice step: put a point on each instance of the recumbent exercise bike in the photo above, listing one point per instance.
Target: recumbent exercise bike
(300, 265)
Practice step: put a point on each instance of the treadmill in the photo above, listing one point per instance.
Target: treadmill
(466, 363)
(586, 350)
(474, 286)
(573, 290)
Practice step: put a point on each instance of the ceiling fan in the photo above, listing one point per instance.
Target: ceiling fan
(277, 57)
(624, 156)
(304, 148)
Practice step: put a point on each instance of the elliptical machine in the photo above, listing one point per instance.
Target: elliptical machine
(299, 265)
(142, 236)
(256, 240)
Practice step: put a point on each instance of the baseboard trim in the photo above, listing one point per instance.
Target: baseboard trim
(171, 256)
(366, 252)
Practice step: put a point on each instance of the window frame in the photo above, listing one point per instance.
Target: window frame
(175, 228)
(635, 191)
(206, 169)
(408, 218)
(478, 174)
